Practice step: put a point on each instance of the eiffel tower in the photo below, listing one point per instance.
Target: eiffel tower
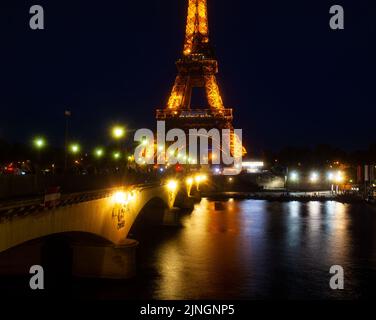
(197, 68)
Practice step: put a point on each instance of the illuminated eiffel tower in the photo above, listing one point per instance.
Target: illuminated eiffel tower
(197, 68)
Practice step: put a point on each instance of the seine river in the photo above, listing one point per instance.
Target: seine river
(252, 249)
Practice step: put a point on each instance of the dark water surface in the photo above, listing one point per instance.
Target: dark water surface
(253, 249)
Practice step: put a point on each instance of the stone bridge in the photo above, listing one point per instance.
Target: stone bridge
(104, 218)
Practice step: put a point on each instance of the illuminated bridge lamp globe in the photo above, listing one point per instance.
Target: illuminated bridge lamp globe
(189, 181)
(172, 185)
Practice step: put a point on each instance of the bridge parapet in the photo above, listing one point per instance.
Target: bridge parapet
(107, 213)
(25, 207)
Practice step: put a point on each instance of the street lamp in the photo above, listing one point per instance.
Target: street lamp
(189, 181)
(118, 132)
(74, 148)
(172, 185)
(116, 155)
(99, 152)
(39, 143)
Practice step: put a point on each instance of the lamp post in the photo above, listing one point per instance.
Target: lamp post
(98, 154)
(118, 133)
(74, 149)
(39, 144)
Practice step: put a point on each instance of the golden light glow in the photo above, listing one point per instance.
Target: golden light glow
(204, 177)
(196, 33)
(172, 185)
(176, 98)
(118, 132)
(119, 197)
(189, 181)
(237, 148)
(212, 92)
(200, 178)
(339, 177)
(123, 197)
(197, 23)
(131, 196)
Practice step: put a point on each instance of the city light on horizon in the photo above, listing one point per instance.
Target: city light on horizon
(294, 176)
(314, 177)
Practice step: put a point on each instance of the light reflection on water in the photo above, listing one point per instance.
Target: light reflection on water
(259, 249)
(254, 249)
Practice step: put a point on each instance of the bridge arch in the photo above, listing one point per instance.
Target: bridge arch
(97, 229)
(107, 217)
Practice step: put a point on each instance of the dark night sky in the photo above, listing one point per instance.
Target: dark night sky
(289, 77)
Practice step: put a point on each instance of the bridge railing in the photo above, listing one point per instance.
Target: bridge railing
(29, 206)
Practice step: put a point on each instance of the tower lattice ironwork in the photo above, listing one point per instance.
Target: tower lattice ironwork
(197, 68)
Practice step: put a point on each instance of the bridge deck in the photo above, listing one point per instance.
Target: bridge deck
(22, 207)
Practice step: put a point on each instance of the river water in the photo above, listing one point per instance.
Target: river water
(253, 249)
